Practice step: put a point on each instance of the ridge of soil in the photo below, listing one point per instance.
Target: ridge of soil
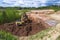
(24, 30)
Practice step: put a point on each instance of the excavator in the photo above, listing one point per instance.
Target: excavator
(23, 21)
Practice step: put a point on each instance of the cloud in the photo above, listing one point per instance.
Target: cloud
(28, 3)
(53, 2)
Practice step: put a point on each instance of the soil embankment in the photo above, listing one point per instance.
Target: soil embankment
(24, 30)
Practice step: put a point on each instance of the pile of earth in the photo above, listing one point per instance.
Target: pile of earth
(30, 27)
(26, 29)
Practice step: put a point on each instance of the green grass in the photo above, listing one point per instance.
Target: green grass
(40, 35)
(58, 38)
(7, 36)
(8, 15)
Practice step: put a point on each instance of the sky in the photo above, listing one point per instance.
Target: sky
(28, 3)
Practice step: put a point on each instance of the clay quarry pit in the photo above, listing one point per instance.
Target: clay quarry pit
(35, 24)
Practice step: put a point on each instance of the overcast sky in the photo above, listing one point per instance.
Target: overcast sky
(28, 3)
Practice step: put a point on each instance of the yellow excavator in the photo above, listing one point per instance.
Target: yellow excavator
(22, 21)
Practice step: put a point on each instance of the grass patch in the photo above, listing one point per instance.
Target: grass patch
(7, 36)
(41, 34)
(58, 38)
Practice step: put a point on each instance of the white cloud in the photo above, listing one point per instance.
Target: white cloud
(27, 3)
(8, 1)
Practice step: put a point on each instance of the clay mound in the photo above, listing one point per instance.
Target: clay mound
(25, 30)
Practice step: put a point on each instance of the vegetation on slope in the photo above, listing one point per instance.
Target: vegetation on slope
(8, 15)
(40, 35)
(58, 38)
(7, 36)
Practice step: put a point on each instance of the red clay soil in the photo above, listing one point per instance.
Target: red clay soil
(24, 30)
(29, 28)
